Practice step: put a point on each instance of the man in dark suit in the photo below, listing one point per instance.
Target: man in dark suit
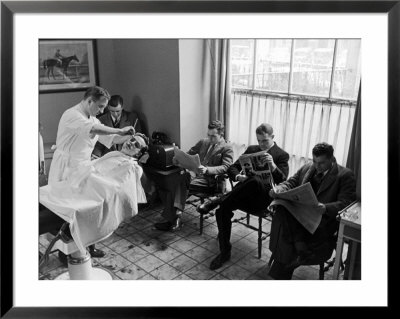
(116, 117)
(335, 187)
(251, 193)
(215, 157)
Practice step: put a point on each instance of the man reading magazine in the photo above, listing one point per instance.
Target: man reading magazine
(251, 193)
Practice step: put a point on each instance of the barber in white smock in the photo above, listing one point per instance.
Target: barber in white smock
(78, 132)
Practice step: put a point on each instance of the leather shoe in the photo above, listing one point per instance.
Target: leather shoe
(168, 226)
(63, 258)
(219, 261)
(96, 253)
(206, 207)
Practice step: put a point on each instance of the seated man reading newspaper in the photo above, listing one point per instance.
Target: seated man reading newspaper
(210, 157)
(100, 195)
(251, 193)
(306, 207)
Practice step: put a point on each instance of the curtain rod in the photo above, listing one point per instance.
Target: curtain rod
(298, 97)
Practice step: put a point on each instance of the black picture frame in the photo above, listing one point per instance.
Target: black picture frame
(76, 70)
(9, 8)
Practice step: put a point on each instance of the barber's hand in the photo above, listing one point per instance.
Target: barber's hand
(175, 161)
(321, 208)
(241, 178)
(128, 130)
(202, 169)
(268, 159)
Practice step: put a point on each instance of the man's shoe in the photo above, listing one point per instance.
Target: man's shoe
(96, 253)
(206, 207)
(63, 258)
(168, 226)
(219, 261)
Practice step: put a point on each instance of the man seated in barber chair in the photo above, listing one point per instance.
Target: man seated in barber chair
(98, 196)
(335, 188)
(216, 155)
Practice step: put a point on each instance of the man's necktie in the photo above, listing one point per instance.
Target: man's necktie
(209, 151)
(316, 181)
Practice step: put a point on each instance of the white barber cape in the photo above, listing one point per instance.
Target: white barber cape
(97, 197)
(75, 143)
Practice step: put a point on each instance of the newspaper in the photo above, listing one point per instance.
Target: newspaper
(252, 165)
(302, 203)
(190, 162)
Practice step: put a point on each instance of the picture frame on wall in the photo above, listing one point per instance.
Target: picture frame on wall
(12, 304)
(66, 65)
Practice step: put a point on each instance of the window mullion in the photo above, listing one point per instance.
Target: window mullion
(333, 68)
(254, 65)
(291, 67)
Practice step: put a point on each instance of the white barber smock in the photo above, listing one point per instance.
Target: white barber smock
(96, 198)
(74, 143)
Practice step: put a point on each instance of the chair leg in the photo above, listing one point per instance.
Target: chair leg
(271, 259)
(259, 236)
(201, 218)
(248, 219)
(321, 271)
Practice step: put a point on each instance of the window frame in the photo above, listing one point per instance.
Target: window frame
(290, 84)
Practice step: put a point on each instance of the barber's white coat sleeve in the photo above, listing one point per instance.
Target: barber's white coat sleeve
(77, 123)
(41, 149)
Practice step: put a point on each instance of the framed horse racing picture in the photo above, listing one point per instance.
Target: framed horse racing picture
(66, 65)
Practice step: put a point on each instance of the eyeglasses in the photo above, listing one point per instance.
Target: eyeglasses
(134, 143)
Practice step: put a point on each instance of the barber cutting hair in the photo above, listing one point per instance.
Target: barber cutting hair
(78, 132)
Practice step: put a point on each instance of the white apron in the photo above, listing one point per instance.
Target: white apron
(75, 143)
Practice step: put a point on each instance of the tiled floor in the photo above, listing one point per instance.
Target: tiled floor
(137, 251)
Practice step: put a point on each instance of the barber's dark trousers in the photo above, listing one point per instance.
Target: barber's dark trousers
(249, 196)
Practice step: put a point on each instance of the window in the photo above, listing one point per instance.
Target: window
(328, 68)
(305, 88)
(242, 63)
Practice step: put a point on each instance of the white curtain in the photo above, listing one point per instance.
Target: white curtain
(299, 123)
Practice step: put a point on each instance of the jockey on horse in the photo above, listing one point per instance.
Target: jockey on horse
(58, 56)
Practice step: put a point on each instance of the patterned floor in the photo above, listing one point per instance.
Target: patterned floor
(137, 251)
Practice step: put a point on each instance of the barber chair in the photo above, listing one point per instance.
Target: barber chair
(79, 265)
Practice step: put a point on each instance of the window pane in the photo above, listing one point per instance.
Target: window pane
(346, 79)
(242, 57)
(312, 66)
(273, 65)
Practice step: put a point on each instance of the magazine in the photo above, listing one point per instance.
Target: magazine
(252, 165)
(302, 203)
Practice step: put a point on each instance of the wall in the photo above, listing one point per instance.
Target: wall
(194, 79)
(148, 76)
(144, 72)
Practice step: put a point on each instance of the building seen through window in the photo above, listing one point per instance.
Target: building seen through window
(328, 68)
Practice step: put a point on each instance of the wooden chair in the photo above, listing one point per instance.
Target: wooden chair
(262, 215)
(201, 197)
(323, 256)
